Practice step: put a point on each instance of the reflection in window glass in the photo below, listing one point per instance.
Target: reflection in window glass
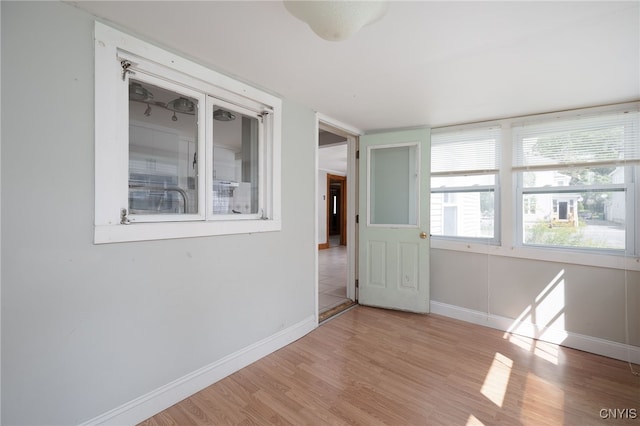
(235, 162)
(162, 151)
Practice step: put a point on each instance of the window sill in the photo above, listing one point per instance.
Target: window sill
(117, 233)
(548, 255)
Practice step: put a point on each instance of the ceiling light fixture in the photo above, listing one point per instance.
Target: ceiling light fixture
(139, 93)
(222, 115)
(183, 105)
(336, 20)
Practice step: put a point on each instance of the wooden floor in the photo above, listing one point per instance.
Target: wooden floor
(372, 367)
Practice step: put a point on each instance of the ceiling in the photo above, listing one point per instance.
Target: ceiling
(425, 63)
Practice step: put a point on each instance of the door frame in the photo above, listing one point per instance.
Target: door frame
(352, 135)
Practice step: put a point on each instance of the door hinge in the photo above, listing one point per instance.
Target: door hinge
(357, 218)
(357, 283)
(357, 154)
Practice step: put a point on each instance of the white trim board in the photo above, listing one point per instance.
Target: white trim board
(581, 342)
(145, 406)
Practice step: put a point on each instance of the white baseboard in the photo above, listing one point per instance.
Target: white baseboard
(582, 342)
(145, 406)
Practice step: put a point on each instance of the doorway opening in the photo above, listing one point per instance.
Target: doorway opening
(336, 210)
(336, 220)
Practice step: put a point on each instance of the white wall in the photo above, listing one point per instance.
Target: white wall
(87, 328)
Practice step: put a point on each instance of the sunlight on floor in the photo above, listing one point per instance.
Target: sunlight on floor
(473, 421)
(525, 343)
(497, 379)
(547, 351)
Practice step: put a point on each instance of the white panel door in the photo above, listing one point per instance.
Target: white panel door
(394, 220)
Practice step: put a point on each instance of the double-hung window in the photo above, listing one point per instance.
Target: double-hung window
(576, 181)
(465, 183)
(181, 150)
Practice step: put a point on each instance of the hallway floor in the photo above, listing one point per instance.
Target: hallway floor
(332, 279)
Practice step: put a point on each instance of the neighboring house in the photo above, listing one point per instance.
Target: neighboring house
(461, 213)
(456, 214)
(561, 209)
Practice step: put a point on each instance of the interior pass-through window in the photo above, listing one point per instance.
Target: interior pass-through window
(181, 150)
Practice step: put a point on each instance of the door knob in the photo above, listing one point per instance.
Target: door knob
(423, 235)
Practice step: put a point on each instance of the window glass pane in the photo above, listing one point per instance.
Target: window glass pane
(573, 177)
(586, 219)
(463, 214)
(393, 186)
(162, 150)
(235, 162)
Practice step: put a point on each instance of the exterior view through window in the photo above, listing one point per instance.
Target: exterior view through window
(464, 183)
(583, 205)
(574, 181)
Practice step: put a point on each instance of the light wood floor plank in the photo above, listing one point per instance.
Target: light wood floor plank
(378, 367)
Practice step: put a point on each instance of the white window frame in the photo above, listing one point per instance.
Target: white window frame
(112, 142)
(509, 203)
(495, 188)
(630, 188)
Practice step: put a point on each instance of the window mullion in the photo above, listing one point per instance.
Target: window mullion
(632, 174)
(208, 175)
(465, 173)
(454, 189)
(263, 209)
(572, 189)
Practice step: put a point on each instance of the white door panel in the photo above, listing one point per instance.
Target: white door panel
(394, 206)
